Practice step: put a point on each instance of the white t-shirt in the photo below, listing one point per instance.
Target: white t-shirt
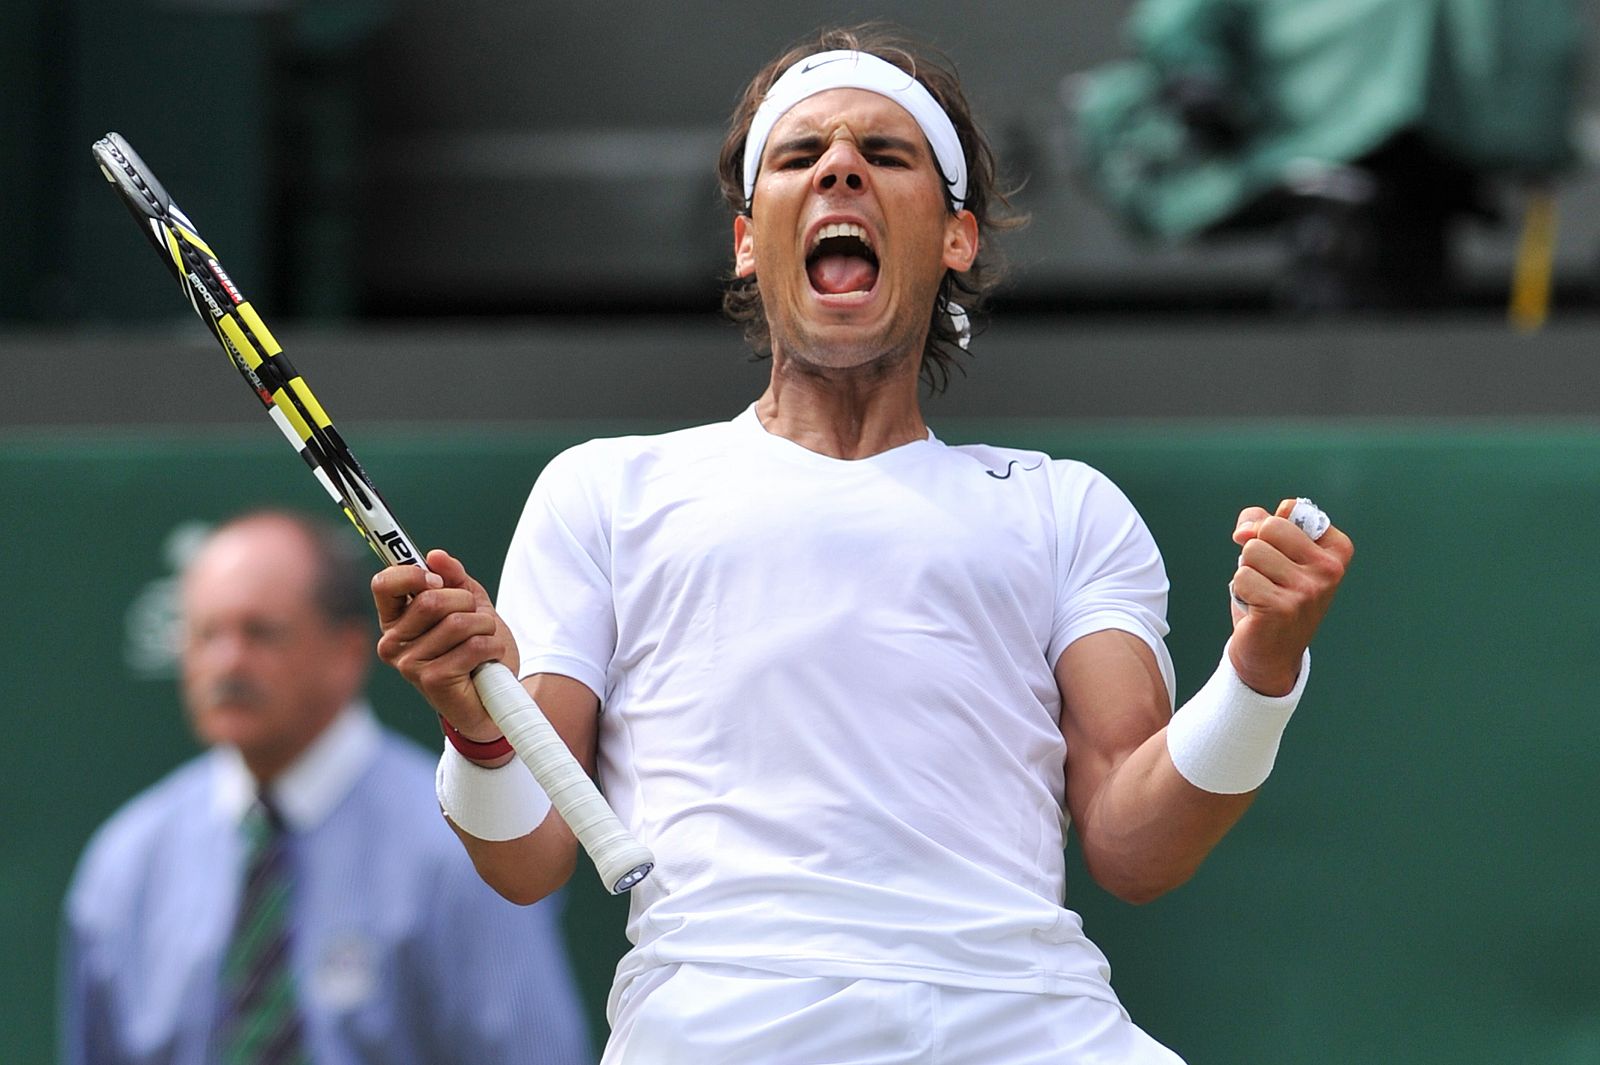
(827, 694)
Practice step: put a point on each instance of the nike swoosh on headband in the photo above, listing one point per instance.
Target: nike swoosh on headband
(858, 70)
(813, 66)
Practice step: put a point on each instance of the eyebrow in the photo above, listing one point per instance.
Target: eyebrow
(873, 142)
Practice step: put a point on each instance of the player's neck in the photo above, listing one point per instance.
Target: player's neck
(842, 416)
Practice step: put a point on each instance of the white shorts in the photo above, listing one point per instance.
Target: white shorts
(727, 1015)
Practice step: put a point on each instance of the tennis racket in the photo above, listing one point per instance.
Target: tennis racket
(622, 861)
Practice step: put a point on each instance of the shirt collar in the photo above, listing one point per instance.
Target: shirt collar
(314, 783)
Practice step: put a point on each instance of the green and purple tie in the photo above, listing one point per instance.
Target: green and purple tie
(262, 1024)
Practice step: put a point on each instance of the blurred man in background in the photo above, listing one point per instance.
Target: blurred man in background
(290, 896)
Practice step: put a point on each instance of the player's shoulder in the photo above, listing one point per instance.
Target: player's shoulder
(613, 458)
(1076, 494)
(636, 446)
(1002, 463)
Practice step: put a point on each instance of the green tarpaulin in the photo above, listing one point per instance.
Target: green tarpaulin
(1287, 84)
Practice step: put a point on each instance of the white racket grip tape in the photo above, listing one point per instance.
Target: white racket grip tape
(623, 861)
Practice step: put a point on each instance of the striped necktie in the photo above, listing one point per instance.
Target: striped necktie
(262, 1025)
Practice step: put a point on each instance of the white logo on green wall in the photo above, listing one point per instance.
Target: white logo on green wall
(153, 624)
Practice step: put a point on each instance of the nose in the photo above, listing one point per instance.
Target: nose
(841, 167)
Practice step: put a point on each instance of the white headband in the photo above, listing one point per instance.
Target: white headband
(857, 70)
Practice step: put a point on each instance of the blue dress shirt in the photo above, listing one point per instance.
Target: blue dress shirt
(401, 954)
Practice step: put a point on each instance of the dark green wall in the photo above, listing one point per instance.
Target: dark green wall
(1415, 884)
(186, 82)
(22, 32)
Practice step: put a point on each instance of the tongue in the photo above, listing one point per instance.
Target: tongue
(842, 273)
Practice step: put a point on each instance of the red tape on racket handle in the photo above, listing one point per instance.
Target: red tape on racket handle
(623, 861)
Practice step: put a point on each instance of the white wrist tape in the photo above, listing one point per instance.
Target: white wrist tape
(492, 804)
(1225, 738)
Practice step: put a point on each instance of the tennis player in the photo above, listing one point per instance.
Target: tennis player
(852, 684)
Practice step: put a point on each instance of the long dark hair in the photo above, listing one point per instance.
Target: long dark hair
(741, 299)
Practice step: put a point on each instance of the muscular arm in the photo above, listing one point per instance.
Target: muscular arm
(1143, 828)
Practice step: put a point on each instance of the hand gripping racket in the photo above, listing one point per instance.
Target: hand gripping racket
(622, 860)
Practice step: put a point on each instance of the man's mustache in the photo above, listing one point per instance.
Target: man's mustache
(233, 691)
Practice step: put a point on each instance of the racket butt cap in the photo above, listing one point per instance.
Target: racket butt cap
(632, 878)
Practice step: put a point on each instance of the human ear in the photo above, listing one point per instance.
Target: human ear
(744, 246)
(961, 241)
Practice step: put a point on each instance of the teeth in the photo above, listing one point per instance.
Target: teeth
(841, 229)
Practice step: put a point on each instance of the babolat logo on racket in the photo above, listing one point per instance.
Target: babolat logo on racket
(224, 281)
(397, 546)
(205, 294)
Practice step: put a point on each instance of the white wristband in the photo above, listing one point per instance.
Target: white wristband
(1225, 738)
(492, 804)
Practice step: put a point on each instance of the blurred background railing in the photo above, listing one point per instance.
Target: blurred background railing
(361, 157)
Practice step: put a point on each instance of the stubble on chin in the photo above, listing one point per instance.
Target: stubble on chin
(799, 353)
(856, 368)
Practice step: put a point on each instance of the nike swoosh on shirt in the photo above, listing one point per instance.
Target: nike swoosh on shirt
(1009, 465)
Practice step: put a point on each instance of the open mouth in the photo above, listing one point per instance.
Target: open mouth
(841, 260)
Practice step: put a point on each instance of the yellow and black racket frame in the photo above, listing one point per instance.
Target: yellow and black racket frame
(252, 348)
